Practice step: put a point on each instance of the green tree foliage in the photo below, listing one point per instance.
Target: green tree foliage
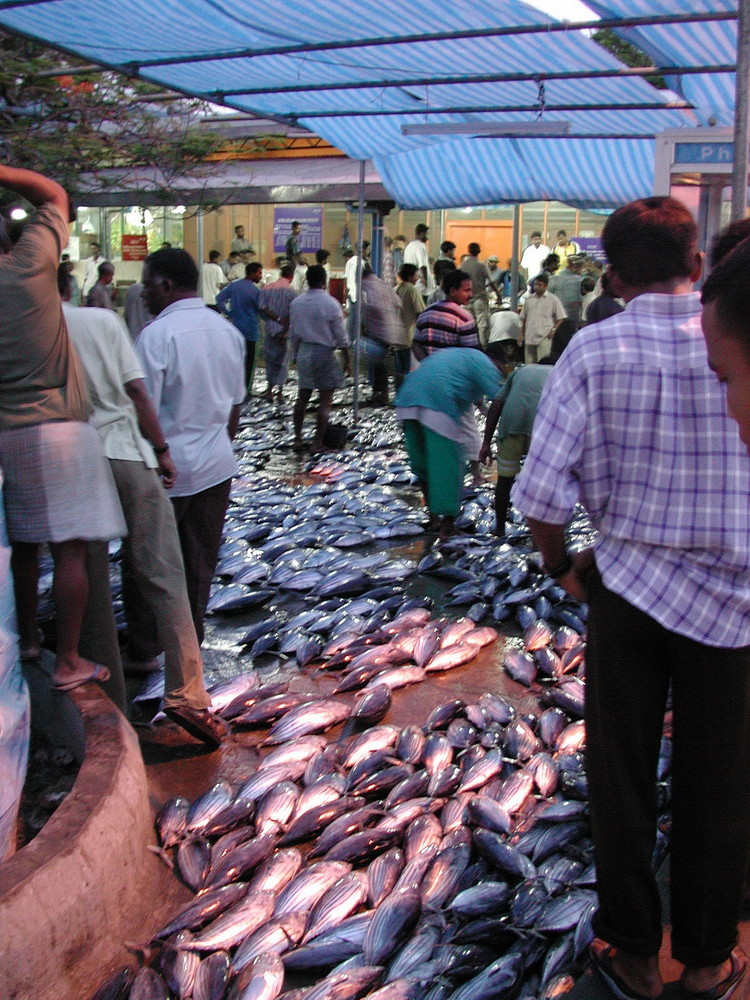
(100, 124)
(629, 54)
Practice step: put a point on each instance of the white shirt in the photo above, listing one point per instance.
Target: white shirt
(193, 361)
(299, 279)
(504, 325)
(212, 278)
(90, 274)
(533, 259)
(350, 275)
(416, 253)
(109, 362)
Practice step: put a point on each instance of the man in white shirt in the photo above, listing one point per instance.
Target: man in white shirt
(416, 253)
(91, 272)
(142, 467)
(240, 243)
(534, 256)
(212, 279)
(193, 362)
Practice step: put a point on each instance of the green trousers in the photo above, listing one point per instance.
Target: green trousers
(438, 462)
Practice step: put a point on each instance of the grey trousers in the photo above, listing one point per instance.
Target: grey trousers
(154, 589)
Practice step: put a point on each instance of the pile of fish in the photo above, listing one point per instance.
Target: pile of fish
(450, 860)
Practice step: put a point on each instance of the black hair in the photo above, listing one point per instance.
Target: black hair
(454, 279)
(725, 241)
(407, 271)
(214, 255)
(728, 287)
(321, 256)
(650, 240)
(316, 276)
(176, 266)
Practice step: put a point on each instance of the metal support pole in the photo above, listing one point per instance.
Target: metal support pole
(739, 168)
(357, 327)
(516, 257)
(199, 238)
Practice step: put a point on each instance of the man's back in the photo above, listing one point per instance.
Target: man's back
(109, 362)
(244, 299)
(567, 287)
(658, 463)
(193, 361)
(478, 272)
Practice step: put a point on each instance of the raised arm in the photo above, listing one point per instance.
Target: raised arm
(35, 188)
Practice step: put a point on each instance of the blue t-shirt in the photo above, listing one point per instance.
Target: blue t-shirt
(243, 297)
(450, 381)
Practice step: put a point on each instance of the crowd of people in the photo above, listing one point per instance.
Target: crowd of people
(630, 411)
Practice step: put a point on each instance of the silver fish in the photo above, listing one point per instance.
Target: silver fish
(235, 924)
(239, 862)
(422, 832)
(208, 805)
(382, 875)
(277, 936)
(372, 705)
(305, 889)
(194, 861)
(262, 979)
(337, 903)
(336, 945)
(314, 717)
(393, 921)
(276, 807)
(212, 977)
(203, 908)
(172, 820)
(454, 655)
(276, 871)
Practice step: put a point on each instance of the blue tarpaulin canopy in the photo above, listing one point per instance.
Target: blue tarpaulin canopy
(363, 75)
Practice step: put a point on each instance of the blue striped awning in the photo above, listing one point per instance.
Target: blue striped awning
(359, 74)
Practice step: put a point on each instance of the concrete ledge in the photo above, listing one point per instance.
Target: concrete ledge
(71, 897)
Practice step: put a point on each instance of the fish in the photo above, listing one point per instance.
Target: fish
(312, 717)
(340, 901)
(308, 886)
(278, 935)
(393, 921)
(235, 924)
(261, 979)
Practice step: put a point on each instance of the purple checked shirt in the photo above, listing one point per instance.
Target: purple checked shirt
(634, 425)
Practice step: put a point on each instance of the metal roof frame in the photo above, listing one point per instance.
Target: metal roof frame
(310, 73)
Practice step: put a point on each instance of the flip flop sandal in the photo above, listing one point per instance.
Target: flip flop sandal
(99, 673)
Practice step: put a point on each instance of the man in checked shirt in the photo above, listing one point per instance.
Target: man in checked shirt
(634, 425)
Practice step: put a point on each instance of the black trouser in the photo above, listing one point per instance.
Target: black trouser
(630, 661)
(249, 363)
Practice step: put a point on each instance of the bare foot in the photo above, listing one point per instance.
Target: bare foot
(641, 974)
(446, 528)
(68, 675)
(702, 979)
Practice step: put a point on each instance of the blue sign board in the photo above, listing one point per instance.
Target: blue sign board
(704, 152)
(310, 218)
